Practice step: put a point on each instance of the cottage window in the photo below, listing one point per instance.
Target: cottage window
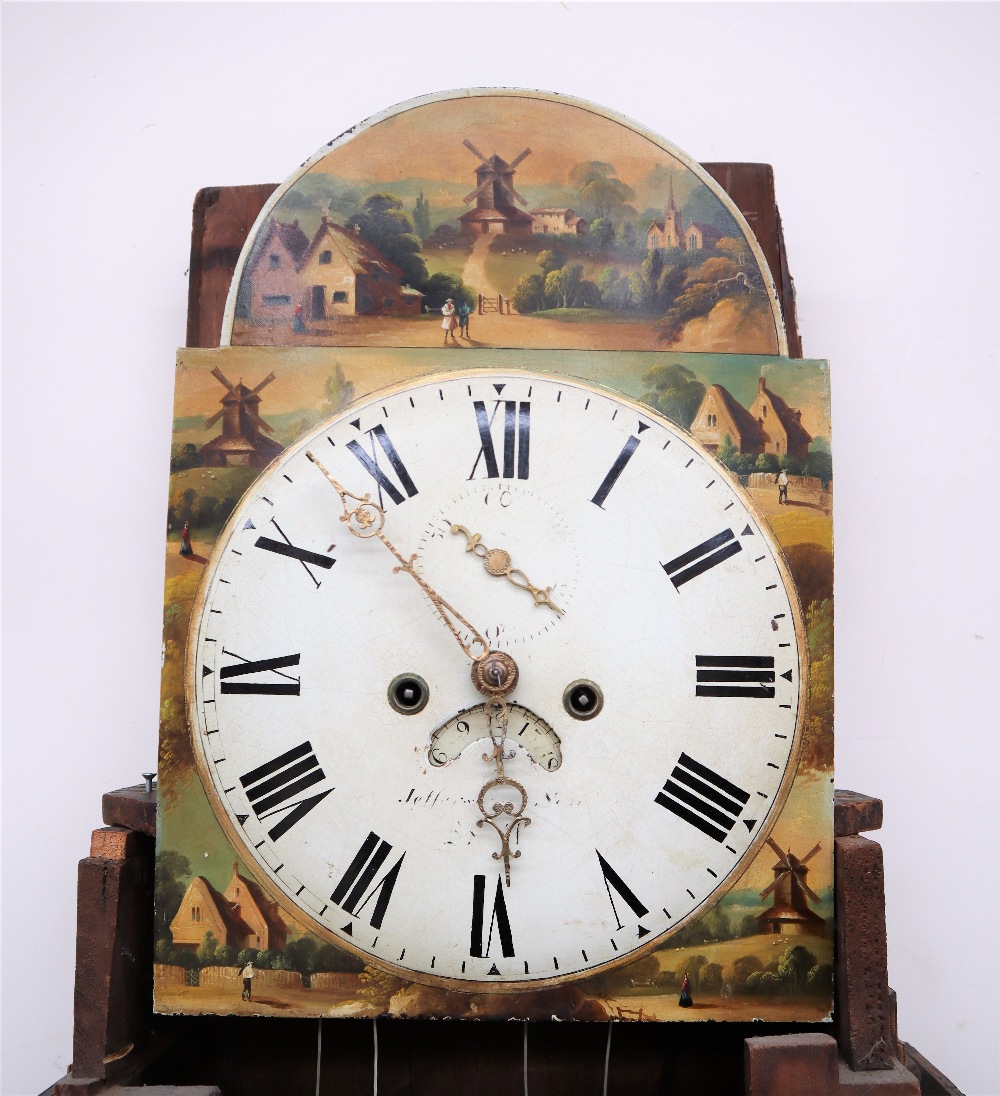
(325, 258)
(713, 420)
(656, 240)
(340, 296)
(763, 410)
(692, 241)
(274, 261)
(273, 299)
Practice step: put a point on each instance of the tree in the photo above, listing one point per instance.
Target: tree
(616, 291)
(600, 189)
(819, 980)
(161, 952)
(795, 964)
(675, 392)
(737, 973)
(422, 216)
(562, 284)
(529, 293)
(206, 951)
(173, 871)
(717, 924)
(710, 979)
(225, 956)
(339, 391)
(549, 261)
(692, 968)
(748, 925)
(819, 463)
(185, 455)
(330, 958)
(728, 453)
(301, 954)
(384, 223)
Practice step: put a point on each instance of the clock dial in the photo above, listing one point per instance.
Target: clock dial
(645, 749)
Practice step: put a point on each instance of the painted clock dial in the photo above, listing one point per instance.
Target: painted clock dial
(653, 728)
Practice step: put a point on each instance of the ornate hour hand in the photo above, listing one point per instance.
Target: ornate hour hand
(365, 520)
(497, 562)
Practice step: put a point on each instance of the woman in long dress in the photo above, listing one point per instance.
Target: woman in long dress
(685, 1001)
(186, 549)
(450, 321)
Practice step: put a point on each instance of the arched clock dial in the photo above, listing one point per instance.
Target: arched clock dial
(636, 764)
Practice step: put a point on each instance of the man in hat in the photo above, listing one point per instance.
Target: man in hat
(450, 321)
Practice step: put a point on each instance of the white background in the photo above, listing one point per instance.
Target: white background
(881, 124)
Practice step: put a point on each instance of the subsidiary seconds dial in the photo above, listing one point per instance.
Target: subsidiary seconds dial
(553, 722)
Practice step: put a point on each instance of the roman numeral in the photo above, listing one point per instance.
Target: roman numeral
(516, 439)
(289, 687)
(498, 918)
(700, 559)
(378, 433)
(735, 675)
(284, 547)
(700, 796)
(359, 886)
(613, 880)
(615, 471)
(271, 788)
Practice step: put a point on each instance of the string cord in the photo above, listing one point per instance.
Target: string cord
(375, 1043)
(607, 1059)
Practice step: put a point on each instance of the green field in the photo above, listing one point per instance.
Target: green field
(220, 483)
(445, 260)
(583, 315)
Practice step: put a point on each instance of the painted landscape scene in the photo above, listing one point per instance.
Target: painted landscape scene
(553, 224)
(764, 951)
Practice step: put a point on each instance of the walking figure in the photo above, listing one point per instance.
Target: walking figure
(685, 1001)
(782, 481)
(186, 549)
(247, 974)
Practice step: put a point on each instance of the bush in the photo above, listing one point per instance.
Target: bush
(162, 950)
(529, 293)
(225, 956)
(820, 465)
(819, 981)
(184, 957)
(737, 974)
(247, 955)
(184, 456)
(710, 979)
(265, 959)
(765, 982)
(439, 287)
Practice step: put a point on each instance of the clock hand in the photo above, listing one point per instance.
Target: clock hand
(497, 562)
(365, 521)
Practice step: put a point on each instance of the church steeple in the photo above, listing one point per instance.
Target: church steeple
(673, 234)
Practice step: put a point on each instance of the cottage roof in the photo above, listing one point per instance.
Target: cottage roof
(293, 239)
(789, 418)
(655, 224)
(362, 257)
(707, 231)
(223, 907)
(751, 432)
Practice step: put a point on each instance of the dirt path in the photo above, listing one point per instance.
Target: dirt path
(474, 272)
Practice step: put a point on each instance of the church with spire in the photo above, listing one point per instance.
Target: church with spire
(671, 231)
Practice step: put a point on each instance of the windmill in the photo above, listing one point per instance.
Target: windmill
(791, 913)
(241, 440)
(495, 197)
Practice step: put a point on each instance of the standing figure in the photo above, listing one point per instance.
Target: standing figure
(298, 324)
(782, 481)
(450, 322)
(247, 974)
(685, 1000)
(186, 549)
(464, 311)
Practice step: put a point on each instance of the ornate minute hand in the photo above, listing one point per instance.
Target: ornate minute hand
(365, 521)
(496, 562)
